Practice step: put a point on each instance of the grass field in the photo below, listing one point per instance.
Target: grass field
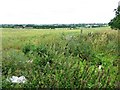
(60, 58)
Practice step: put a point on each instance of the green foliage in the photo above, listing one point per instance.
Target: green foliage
(115, 22)
(61, 62)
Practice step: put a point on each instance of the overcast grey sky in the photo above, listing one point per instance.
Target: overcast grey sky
(56, 11)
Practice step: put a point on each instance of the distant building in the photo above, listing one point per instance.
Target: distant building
(88, 26)
(119, 3)
(95, 26)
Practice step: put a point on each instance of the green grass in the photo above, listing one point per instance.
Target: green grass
(60, 58)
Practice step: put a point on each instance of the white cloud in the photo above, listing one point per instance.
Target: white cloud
(56, 11)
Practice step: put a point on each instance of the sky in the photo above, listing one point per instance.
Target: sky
(56, 11)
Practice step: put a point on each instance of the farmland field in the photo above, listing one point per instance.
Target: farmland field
(60, 58)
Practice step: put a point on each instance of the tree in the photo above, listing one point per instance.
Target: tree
(115, 22)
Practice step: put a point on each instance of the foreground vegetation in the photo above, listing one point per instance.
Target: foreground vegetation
(60, 58)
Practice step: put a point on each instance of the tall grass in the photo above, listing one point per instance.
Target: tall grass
(60, 59)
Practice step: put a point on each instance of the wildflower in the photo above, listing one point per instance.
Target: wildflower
(48, 63)
(16, 79)
(100, 66)
(68, 37)
(30, 61)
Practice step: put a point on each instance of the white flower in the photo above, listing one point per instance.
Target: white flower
(100, 66)
(30, 61)
(16, 79)
(68, 37)
(48, 63)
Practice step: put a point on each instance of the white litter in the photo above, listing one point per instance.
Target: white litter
(16, 79)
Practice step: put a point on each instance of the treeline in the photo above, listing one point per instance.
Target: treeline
(53, 26)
